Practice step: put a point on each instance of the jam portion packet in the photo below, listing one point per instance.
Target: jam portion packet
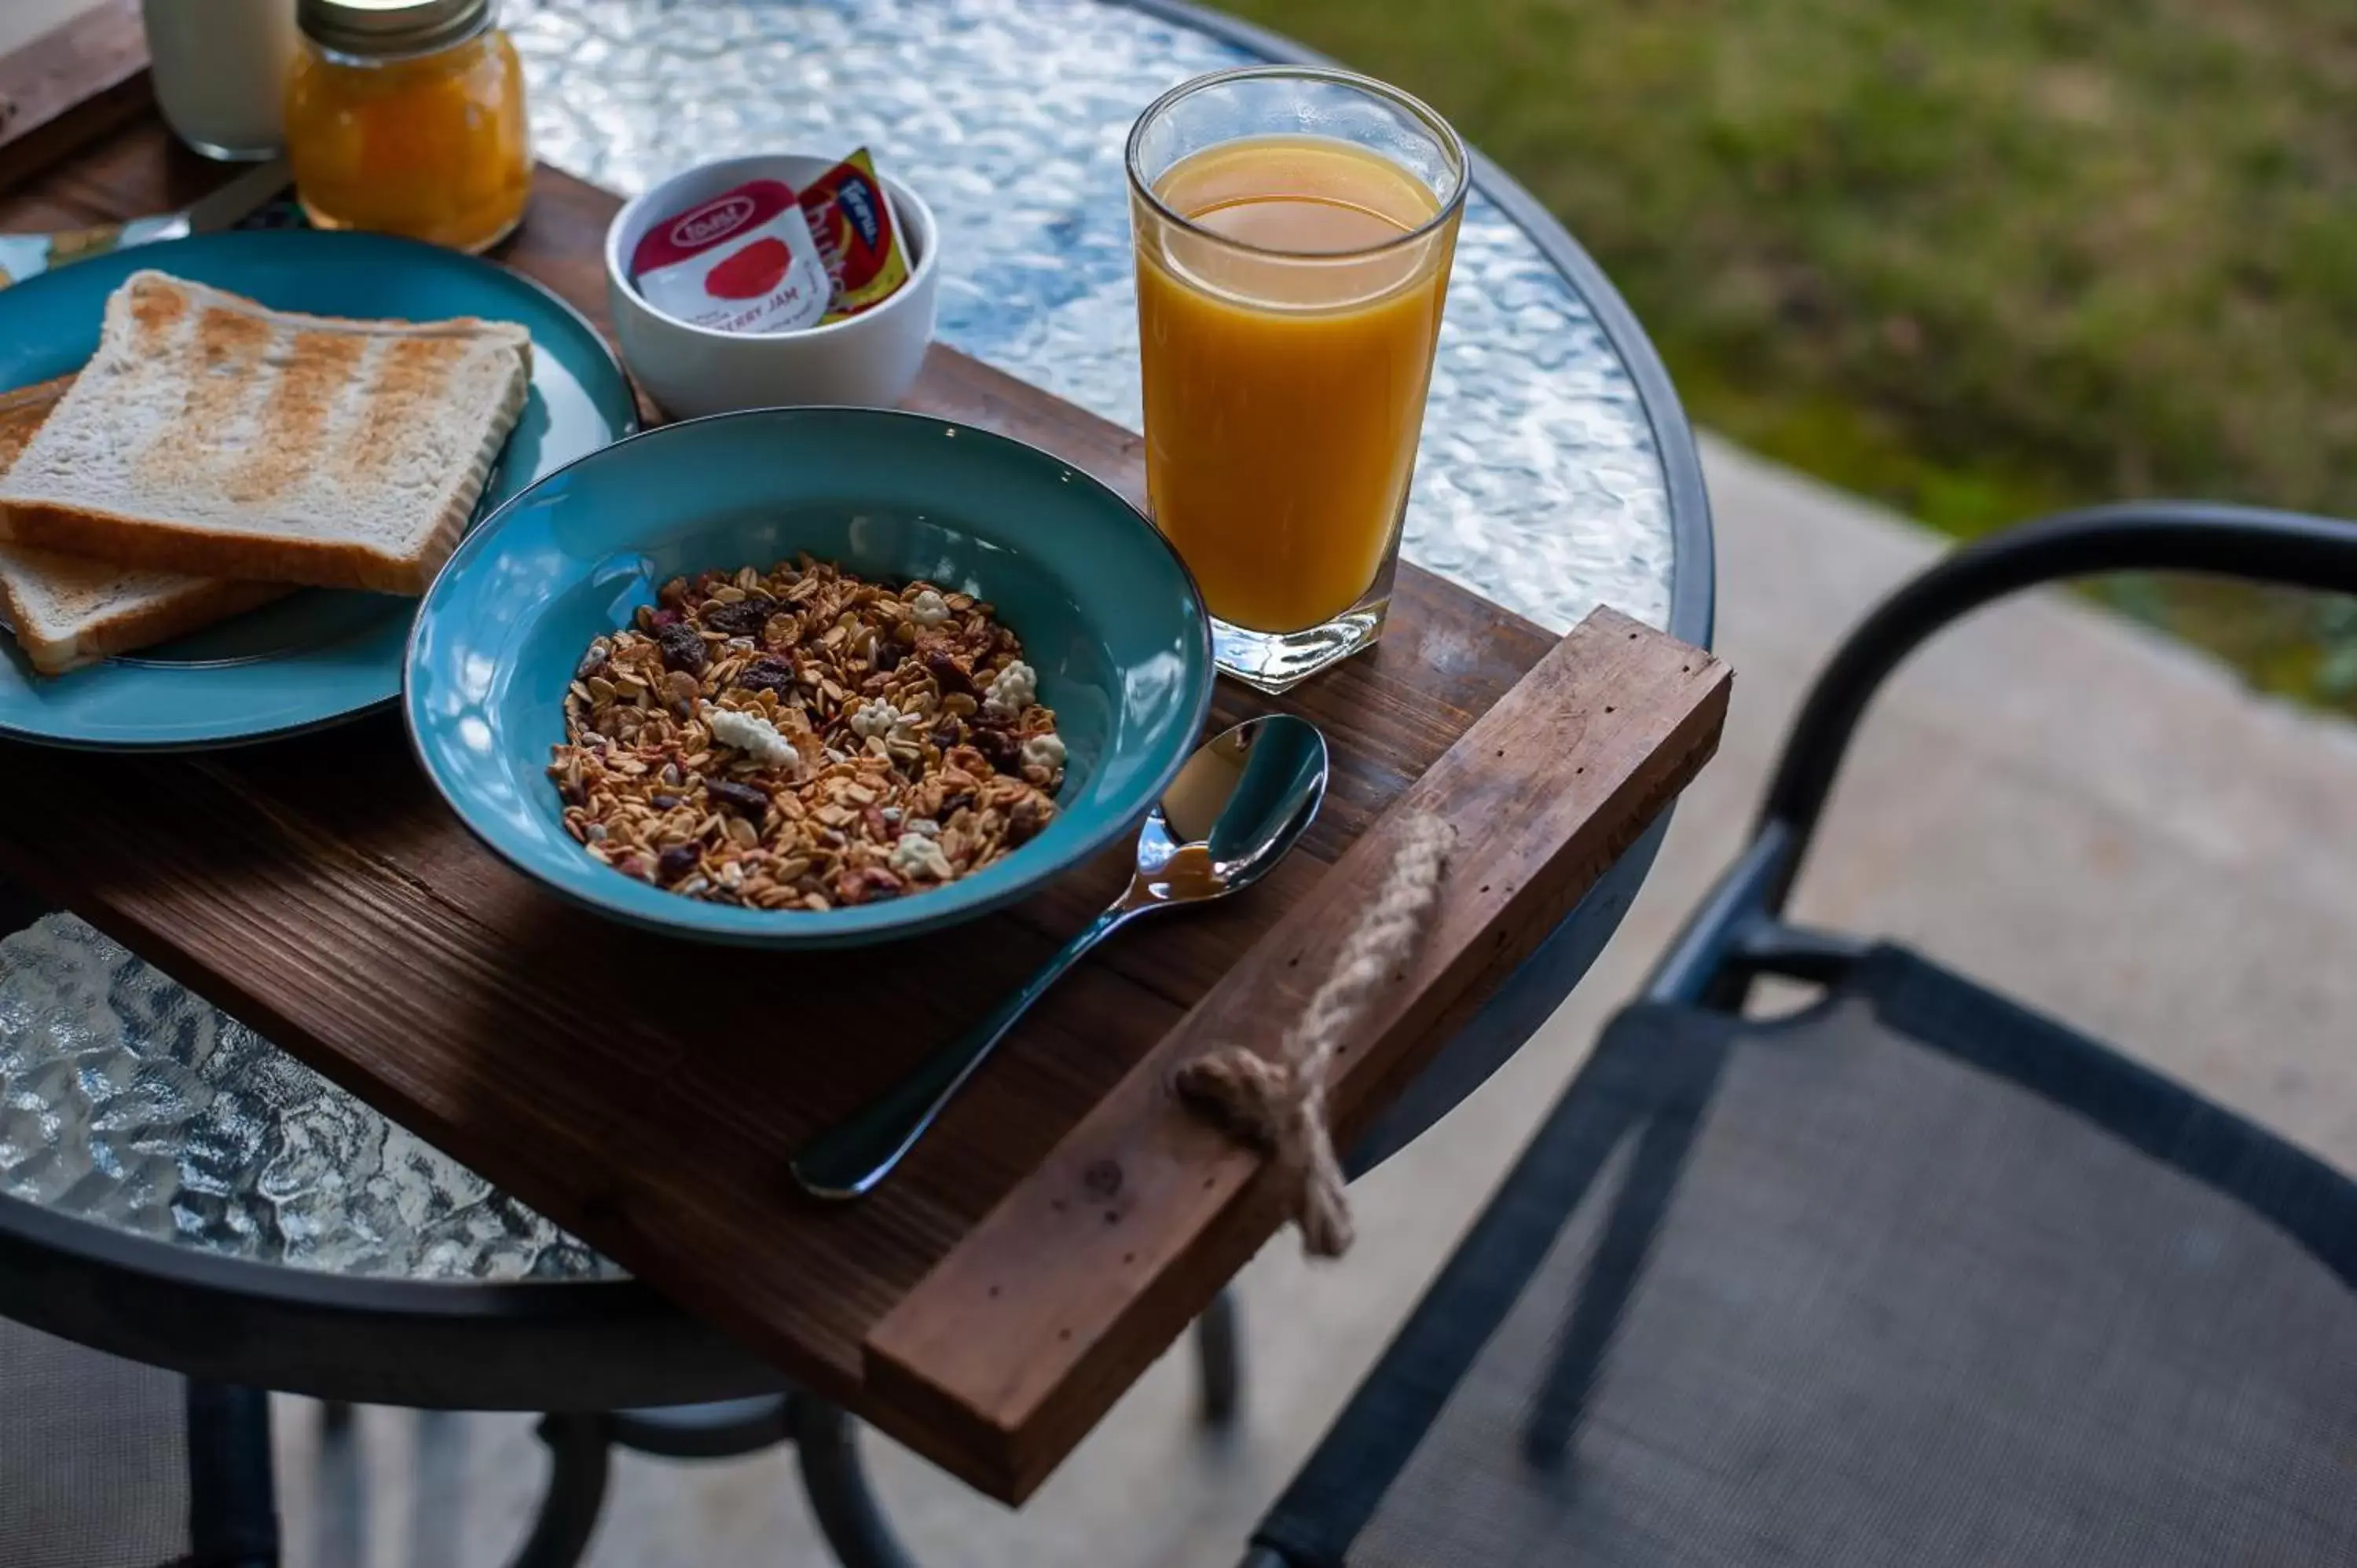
(743, 262)
(851, 219)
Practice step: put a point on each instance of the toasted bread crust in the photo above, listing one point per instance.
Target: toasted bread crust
(204, 601)
(138, 543)
(22, 412)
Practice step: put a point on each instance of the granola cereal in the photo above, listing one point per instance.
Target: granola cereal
(800, 739)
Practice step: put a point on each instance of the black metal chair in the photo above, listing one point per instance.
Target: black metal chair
(1913, 1276)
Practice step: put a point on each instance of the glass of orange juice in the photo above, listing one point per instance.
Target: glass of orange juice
(1293, 228)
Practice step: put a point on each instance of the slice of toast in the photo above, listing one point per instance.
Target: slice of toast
(69, 611)
(213, 436)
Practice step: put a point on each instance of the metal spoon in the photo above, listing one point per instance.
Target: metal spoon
(1239, 803)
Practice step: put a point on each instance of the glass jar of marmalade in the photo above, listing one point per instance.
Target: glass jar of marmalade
(407, 117)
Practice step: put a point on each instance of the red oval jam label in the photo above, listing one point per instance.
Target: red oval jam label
(751, 272)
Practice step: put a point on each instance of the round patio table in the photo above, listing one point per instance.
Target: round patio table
(174, 1189)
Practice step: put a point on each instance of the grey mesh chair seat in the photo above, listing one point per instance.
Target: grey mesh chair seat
(108, 1464)
(1914, 1277)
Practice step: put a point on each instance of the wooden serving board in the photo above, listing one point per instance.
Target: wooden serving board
(1066, 1219)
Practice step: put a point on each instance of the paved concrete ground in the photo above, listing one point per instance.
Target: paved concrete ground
(2095, 820)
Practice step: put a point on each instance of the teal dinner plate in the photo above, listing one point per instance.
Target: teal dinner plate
(1105, 612)
(319, 655)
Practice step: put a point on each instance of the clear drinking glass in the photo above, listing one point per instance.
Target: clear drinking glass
(1293, 228)
(219, 71)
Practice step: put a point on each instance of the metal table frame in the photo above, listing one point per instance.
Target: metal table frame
(586, 1348)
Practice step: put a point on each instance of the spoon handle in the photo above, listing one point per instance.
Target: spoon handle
(850, 1157)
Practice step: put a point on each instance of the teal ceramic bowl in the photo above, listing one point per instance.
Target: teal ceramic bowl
(1107, 615)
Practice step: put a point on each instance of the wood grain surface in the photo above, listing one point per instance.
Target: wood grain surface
(646, 1093)
(70, 86)
(1023, 1337)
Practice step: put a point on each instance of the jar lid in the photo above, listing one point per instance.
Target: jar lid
(386, 28)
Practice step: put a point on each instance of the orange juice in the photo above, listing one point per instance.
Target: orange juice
(1287, 329)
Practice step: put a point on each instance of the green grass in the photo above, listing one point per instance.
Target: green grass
(1976, 258)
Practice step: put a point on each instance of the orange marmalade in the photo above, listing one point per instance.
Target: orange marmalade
(407, 117)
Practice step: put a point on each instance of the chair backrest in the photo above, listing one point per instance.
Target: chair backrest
(2286, 548)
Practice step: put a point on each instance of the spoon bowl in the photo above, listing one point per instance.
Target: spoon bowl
(1236, 807)
(1238, 804)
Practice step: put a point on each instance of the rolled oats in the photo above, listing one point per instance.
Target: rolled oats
(799, 739)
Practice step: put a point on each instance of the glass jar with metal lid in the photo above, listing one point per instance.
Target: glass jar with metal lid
(407, 117)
